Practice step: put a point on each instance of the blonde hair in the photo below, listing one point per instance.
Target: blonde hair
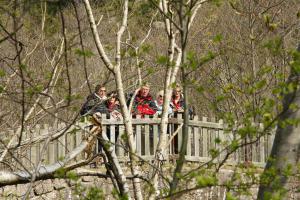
(160, 93)
(145, 84)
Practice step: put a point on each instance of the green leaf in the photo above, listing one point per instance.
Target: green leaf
(230, 196)
(72, 176)
(146, 48)
(260, 84)
(60, 173)
(218, 140)
(274, 45)
(200, 89)
(162, 60)
(265, 70)
(220, 98)
(206, 180)
(234, 145)
(86, 53)
(218, 38)
(216, 2)
(23, 66)
(94, 193)
(2, 73)
(294, 107)
(206, 58)
(150, 70)
(74, 131)
(214, 153)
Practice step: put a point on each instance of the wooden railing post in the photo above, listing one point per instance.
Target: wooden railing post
(221, 137)
(147, 138)
(179, 137)
(61, 142)
(35, 157)
(196, 138)
(156, 131)
(138, 135)
(121, 151)
(112, 133)
(205, 138)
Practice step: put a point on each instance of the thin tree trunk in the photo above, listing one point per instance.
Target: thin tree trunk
(286, 146)
(119, 84)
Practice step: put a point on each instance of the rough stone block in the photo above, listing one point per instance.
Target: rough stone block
(43, 187)
(88, 179)
(59, 184)
(9, 190)
(51, 195)
(22, 189)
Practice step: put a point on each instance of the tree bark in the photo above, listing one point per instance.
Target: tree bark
(286, 147)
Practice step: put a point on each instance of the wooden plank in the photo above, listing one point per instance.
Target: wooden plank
(205, 138)
(61, 143)
(79, 136)
(155, 136)
(189, 142)
(270, 143)
(262, 150)
(138, 135)
(196, 138)
(26, 150)
(112, 135)
(44, 156)
(201, 142)
(171, 145)
(151, 121)
(86, 133)
(35, 157)
(98, 147)
(254, 151)
(221, 146)
(68, 139)
(52, 158)
(179, 135)
(147, 138)
(121, 151)
(8, 157)
(148, 158)
(212, 136)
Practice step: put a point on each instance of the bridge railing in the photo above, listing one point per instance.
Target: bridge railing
(205, 138)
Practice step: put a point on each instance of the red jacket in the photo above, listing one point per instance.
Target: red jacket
(144, 105)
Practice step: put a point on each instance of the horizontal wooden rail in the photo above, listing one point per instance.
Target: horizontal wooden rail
(48, 144)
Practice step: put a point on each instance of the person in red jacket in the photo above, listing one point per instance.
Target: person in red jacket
(143, 103)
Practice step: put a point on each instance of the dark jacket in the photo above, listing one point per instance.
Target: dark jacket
(93, 104)
(179, 106)
(112, 107)
(143, 105)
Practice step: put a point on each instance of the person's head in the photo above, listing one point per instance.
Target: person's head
(177, 91)
(112, 97)
(100, 90)
(145, 89)
(160, 97)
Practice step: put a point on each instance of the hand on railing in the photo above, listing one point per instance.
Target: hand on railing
(116, 115)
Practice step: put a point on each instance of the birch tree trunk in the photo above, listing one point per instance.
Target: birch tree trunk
(172, 30)
(120, 89)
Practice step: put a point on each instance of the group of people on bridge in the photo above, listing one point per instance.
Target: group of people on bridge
(143, 102)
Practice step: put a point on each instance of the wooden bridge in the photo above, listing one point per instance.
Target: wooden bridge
(50, 144)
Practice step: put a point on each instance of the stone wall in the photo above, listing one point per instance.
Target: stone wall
(57, 189)
(72, 189)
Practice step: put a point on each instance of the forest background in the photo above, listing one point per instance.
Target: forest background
(239, 60)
